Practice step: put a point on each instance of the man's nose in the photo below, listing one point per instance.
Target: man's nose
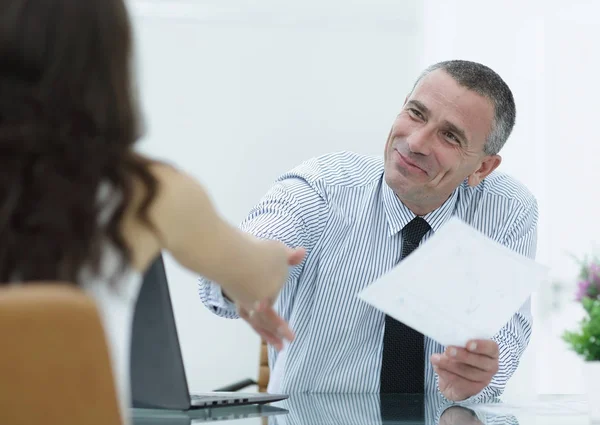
(420, 141)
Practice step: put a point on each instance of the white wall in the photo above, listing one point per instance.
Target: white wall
(237, 94)
(573, 89)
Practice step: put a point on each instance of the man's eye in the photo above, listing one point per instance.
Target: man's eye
(451, 136)
(415, 113)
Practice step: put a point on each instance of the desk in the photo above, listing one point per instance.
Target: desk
(371, 409)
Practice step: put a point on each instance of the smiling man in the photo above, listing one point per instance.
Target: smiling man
(359, 216)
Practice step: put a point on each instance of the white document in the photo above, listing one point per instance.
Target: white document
(458, 285)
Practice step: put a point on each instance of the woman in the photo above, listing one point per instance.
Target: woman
(77, 204)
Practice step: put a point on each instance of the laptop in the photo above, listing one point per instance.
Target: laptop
(158, 379)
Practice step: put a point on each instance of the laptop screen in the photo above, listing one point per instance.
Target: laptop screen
(157, 372)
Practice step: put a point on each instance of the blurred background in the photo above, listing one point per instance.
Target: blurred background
(236, 92)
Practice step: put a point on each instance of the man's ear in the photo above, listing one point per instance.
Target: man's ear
(489, 164)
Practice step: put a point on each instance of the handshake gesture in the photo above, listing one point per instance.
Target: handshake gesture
(254, 300)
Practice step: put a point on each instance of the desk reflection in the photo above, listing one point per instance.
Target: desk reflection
(334, 409)
(375, 409)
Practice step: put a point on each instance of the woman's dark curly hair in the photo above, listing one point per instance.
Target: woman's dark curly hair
(68, 122)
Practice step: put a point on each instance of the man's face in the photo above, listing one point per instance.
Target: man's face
(437, 141)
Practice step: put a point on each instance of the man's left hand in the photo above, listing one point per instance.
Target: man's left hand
(464, 372)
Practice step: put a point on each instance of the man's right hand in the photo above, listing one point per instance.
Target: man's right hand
(262, 317)
(268, 324)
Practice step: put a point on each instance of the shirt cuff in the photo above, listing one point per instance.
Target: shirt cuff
(212, 297)
(487, 394)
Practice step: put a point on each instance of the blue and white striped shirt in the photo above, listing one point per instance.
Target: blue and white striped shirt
(339, 207)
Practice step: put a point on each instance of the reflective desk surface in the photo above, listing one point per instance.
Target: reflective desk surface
(373, 409)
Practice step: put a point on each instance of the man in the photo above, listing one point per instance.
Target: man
(358, 216)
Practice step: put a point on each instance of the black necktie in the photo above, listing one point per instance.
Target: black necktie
(403, 360)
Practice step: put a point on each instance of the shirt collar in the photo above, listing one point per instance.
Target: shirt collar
(398, 215)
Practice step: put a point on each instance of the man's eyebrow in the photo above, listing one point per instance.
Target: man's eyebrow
(458, 131)
(420, 106)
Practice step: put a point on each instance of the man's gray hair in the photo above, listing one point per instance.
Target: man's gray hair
(483, 80)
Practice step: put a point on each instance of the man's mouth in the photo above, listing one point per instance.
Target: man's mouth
(408, 163)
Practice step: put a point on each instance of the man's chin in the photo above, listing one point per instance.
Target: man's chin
(397, 181)
(395, 175)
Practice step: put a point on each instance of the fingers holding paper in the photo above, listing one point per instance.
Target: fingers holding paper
(464, 372)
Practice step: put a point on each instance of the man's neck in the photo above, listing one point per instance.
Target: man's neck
(424, 207)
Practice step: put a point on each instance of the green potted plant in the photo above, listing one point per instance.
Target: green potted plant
(585, 340)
